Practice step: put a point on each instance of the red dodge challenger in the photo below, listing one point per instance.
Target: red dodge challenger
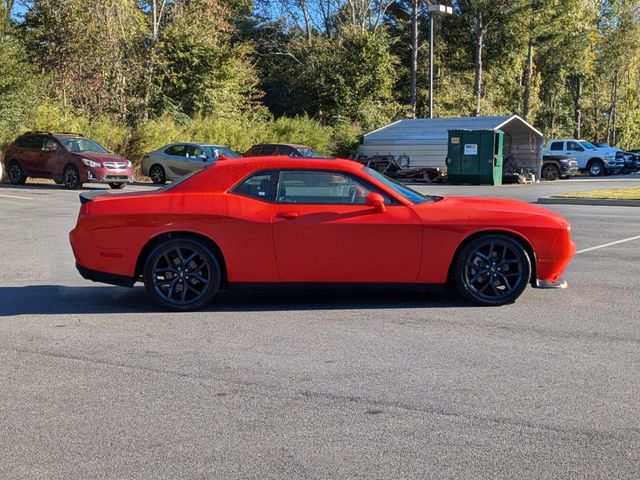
(279, 220)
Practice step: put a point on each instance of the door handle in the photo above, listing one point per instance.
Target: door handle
(288, 215)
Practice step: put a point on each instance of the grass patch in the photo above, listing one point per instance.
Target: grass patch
(626, 193)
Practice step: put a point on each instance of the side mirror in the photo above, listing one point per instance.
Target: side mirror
(376, 201)
(52, 148)
(202, 157)
(579, 149)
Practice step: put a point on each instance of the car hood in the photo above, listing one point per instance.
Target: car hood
(102, 157)
(497, 212)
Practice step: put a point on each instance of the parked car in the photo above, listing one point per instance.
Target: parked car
(558, 166)
(273, 221)
(178, 159)
(621, 156)
(70, 159)
(596, 161)
(288, 150)
(635, 159)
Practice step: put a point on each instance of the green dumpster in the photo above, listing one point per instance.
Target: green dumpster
(475, 156)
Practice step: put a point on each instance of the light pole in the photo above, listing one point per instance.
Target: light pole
(432, 10)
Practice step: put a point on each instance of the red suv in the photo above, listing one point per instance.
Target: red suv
(68, 158)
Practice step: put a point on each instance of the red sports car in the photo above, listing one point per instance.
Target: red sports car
(279, 220)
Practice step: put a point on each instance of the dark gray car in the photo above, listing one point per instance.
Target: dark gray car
(178, 159)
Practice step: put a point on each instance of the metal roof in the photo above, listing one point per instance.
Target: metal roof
(436, 129)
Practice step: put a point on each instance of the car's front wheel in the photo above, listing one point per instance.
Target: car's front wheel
(15, 173)
(492, 270)
(182, 274)
(71, 177)
(157, 174)
(596, 168)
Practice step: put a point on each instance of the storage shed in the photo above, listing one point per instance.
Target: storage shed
(424, 140)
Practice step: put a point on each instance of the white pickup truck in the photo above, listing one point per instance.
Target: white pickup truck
(597, 161)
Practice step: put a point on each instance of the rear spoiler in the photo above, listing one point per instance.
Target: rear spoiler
(86, 197)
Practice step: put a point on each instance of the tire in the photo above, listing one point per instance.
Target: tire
(492, 270)
(157, 174)
(596, 168)
(181, 274)
(16, 173)
(117, 186)
(550, 172)
(71, 178)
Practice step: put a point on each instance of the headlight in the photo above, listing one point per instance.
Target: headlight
(608, 156)
(564, 160)
(91, 163)
(129, 164)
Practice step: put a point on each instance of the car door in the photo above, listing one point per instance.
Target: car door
(194, 158)
(32, 155)
(324, 232)
(176, 163)
(577, 151)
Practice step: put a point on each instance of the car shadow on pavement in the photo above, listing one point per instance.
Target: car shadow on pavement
(60, 299)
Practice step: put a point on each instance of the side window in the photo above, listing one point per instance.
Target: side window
(288, 151)
(177, 150)
(22, 142)
(34, 142)
(48, 144)
(557, 146)
(261, 186)
(193, 152)
(319, 187)
(268, 150)
(572, 146)
(254, 151)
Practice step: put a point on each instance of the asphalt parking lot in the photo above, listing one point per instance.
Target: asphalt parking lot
(97, 382)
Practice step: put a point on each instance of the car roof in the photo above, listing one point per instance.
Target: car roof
(54, 134)
(293, 145)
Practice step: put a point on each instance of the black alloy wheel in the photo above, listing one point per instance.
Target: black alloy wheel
(15, 173)
(182, 274)
(71, 177)
(157, 174)
(117, 186)
(550, 172)
(492, 270)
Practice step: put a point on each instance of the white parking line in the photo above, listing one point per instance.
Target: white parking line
(585, 250)
(16, 196)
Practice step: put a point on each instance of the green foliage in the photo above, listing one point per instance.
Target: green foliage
(351, 75)
(20, 88)
(215, 71)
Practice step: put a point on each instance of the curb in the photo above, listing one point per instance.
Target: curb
(589, 201)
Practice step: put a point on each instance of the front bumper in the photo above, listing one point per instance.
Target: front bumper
(558, 283)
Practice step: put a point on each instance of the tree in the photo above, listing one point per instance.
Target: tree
(20, 88)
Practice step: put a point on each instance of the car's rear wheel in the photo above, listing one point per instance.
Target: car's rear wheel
(182, 274)
(117, 186)
(550, 172)
(492, 270)
(71, 177)
(157, 174)
(596, 168)
(15, 173)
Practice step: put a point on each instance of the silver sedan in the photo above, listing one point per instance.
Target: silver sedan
(178, 159)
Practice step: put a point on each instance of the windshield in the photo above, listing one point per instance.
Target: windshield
(227, 152)
(406, 192)
(588, 145)
(309, 152)
(79, 145)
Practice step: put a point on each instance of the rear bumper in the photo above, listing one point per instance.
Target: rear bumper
(104, 277)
